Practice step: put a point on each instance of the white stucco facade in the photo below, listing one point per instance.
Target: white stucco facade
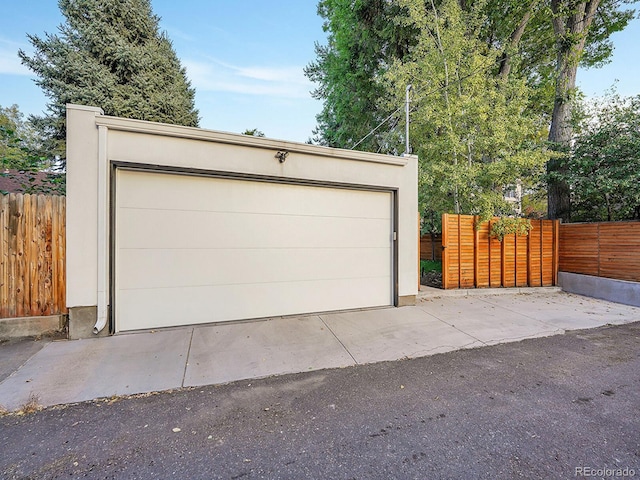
(102, 149)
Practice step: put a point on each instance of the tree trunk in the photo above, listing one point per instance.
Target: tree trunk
(559, 193)
(571, 21)
(514, 40)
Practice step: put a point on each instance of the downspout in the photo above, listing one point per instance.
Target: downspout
(103, 234)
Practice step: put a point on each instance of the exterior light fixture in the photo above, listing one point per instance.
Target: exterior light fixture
(282, 156)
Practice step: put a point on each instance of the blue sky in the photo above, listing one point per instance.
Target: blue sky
(245, 58)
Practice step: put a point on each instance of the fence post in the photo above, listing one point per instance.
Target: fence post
(529, 280)
(598, 236)
(459, 252)
(476, 260)
(445, 253)
(556, 234)
(503, 263)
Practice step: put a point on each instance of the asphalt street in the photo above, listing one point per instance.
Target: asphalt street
(539, 408)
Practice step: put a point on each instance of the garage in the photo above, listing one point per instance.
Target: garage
(169, 226)
(197, 249)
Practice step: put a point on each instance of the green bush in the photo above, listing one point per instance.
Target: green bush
(430, 266)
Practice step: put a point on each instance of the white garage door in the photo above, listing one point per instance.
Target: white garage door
(198, 249)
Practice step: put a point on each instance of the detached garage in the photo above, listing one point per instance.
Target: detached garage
(171, 226)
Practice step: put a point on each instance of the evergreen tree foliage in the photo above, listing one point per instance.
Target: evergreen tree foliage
(110, 54)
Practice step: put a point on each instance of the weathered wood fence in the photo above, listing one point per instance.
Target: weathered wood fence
(471, 258)
(607, 249)
(32, 255)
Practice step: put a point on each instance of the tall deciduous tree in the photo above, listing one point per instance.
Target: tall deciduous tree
(472, 131)
(17, 140)
(362, 40)
(603, 169)
(572, 21)
(365, 36)
(110, 54)
(21, 157)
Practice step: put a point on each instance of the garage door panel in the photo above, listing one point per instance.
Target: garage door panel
(181, 192)
(193, 250)
(186, 229)
(138, 309)
(181, 268)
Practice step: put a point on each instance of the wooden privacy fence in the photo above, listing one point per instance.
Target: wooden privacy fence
(431, 248)
(607, 249)
(32, 255)
(471, 258)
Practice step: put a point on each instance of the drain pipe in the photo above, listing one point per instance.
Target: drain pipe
(103, 233)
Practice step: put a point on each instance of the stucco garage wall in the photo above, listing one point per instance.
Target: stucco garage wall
(96, 143)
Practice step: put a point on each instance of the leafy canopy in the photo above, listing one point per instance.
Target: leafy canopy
(603, 168)
(362, 40)
(20, 155)
(473, 132)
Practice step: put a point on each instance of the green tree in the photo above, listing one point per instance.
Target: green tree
(366, 36)
(18, 141)
(20, 152)
(472, 131)
(254, 132)
(362, 40)
(603, 169)
(110, 54)
(572, 21)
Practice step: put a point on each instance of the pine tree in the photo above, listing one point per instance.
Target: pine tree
(110, 54)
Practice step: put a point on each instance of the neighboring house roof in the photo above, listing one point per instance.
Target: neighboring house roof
(21, 181)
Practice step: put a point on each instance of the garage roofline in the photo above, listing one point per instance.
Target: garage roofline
(194, 133)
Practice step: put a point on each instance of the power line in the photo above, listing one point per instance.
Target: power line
(417, 91)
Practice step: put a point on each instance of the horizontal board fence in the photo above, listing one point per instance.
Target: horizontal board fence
(606, 249)
(471, 258)
(431, 248)
(32, 255)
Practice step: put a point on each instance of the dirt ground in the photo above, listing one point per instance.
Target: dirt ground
(431, 279)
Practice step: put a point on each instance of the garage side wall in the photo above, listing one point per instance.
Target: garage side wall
(95, 143)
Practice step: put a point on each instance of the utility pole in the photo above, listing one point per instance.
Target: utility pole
(407, 148)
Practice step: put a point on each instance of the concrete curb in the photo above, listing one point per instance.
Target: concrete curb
(429, 292)
(11, 328)
(610, 289)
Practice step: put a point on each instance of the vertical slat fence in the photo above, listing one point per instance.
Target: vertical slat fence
(472, 258)
(32, 255)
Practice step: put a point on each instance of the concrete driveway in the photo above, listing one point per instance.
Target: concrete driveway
(63, 372)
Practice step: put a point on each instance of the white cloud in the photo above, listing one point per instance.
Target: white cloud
(214, 75)
(174, 32)
(9, 60)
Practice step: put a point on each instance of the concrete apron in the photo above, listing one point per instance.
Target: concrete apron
(73, 371)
